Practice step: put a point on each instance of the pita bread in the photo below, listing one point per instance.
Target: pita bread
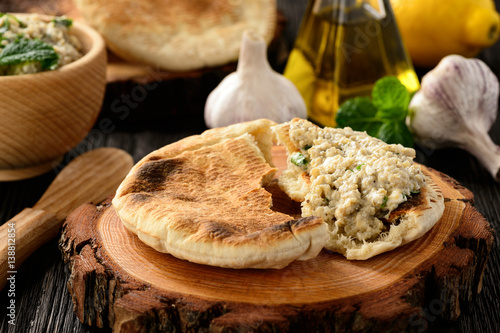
(353, 234)
(202, 199)
(179, 35)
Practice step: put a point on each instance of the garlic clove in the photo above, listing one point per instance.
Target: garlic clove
(254, 91)
(455, 107)
(485, 150)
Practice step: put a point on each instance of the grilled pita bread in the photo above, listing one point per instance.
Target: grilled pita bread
(179, 35)
(408, 222)
(202, 199)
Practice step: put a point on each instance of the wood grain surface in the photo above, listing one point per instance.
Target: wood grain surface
(448, 260)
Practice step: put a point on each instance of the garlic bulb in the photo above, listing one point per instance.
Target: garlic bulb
(456, 106)
(254, 91)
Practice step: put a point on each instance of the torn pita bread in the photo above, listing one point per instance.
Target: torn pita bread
(372, 196)
(179, 35)
(202, 199)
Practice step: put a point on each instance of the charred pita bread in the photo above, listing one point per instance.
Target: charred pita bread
(179, 35)
(202, 199)
(372, 196)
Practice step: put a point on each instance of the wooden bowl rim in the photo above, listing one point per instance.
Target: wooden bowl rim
(97, 48)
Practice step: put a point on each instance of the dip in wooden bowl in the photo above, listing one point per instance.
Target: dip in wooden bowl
(44, 115)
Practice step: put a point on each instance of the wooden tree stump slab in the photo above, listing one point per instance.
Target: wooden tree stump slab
(118, 281)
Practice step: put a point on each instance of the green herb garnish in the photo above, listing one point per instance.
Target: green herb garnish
(63, 21)
(307, 147)
(405, 196)
(6, 24)
(383, 116)
(384, 203)
(25, 50)
(357, 167)
(298, 159)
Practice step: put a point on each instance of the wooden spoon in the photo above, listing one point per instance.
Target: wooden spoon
(90, 177)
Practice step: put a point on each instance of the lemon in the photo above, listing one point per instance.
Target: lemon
(434, 29)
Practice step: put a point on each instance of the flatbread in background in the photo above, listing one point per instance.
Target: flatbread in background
(179, 35)
(202, 199)
(387, 228)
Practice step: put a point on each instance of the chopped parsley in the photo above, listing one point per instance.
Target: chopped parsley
(405, 196)
(63, 21)
(298, 159)
(6, 23)
(384, 203)
(5, 26)
(359, 166)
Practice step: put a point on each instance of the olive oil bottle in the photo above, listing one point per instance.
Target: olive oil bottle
(342, 48)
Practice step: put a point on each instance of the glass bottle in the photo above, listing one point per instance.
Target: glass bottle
(342, 48)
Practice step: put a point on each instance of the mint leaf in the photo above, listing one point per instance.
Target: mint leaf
(395, 132)
(25, 50)
(359, 114)
(383, 116)
(389, 93)
(356, 110)
(395, 113)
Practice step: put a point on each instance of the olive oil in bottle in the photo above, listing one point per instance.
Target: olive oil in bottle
(342, 48)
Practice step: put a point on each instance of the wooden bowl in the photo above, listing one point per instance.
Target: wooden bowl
(44, 115)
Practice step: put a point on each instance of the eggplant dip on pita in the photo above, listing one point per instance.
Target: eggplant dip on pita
(355, 183)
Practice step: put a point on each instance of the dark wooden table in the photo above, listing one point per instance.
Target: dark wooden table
(43, 303)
